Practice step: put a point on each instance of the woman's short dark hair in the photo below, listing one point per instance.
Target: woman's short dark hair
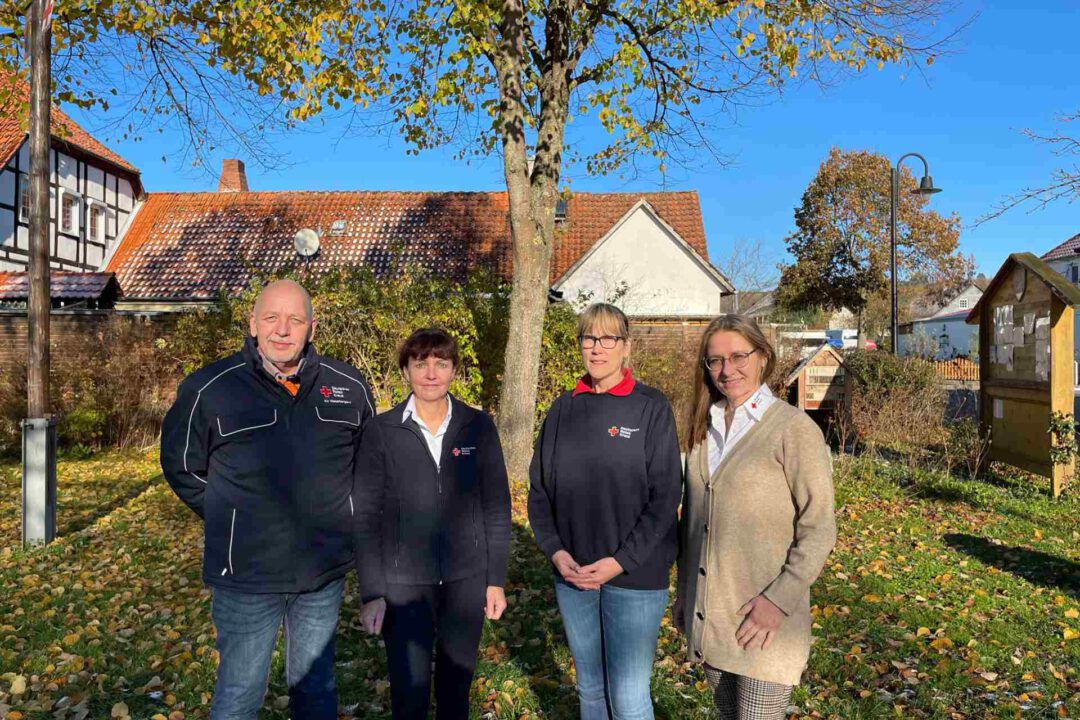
(427, 342)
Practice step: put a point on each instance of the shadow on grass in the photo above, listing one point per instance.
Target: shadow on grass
(1034, 566)
(82, 514)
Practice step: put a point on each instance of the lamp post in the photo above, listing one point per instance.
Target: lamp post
(926, 187)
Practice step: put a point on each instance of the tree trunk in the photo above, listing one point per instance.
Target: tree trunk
(532, 197)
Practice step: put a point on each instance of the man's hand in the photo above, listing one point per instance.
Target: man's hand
(496, 603)
(602, 570)
(571, 571)
(763, 619)
(372, 614)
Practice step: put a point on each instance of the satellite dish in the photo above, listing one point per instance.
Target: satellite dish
(306, 242)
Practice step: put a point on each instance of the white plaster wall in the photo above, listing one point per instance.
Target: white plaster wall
(95, 183)
(125, 200)
(661, 277)
(66, 172)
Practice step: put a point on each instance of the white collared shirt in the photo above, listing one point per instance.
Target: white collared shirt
(722, 439)
(434, 440)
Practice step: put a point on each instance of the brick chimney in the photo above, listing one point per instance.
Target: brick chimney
(233, 177)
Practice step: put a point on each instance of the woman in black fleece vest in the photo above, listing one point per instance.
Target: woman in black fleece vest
(433, 533)
(605, 488)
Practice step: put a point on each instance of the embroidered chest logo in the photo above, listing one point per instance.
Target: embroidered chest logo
(623, 432)
(466, 451)
(335, 395)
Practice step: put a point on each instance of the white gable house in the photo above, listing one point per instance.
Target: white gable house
(645, 266)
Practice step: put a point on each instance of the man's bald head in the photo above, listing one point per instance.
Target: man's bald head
(288, 289)
(282, 322)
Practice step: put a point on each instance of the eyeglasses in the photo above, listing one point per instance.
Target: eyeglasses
(608, 342)
(738, 360)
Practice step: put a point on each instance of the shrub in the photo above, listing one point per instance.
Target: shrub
(111, 389)
(896, 403)
(362, 320)
(965, 445)
(673, 372)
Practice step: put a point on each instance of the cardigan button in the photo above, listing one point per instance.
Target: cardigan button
(701, 571)
(706, 528)
(697, 654)
(700, 615)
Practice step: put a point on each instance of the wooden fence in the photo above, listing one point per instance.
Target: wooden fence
(961, 369)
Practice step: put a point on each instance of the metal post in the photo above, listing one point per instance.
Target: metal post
(926, 187)
(894, 190)
(39, 431)
(39, 481)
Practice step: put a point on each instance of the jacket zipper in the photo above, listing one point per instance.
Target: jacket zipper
(232, 531)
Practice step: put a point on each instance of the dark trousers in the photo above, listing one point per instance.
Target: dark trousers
(421, 620)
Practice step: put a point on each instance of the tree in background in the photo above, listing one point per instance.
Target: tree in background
(841, 240)
(485, 76)
(750, 267)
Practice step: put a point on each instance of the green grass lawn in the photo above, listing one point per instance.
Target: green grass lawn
(943, 599)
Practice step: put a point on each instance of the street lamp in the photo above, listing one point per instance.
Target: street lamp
(926, 187)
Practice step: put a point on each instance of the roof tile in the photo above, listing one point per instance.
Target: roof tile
(191, 245)
(14, 100)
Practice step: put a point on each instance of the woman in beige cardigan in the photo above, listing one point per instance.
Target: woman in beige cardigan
(757, 525)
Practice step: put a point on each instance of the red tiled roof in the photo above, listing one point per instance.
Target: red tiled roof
(191, 245)
(62, 285)
(1069, 248)
(14, 104)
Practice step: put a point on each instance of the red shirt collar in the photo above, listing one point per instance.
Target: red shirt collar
(623, 388)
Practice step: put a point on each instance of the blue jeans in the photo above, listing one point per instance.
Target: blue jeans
(612, 635)
(247, 627)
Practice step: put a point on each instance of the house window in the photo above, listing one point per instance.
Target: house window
(96, 225)
(963, 304)
(1074, 273)
(24, 203)
(69, 206)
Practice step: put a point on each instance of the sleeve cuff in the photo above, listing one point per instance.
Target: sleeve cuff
(623, 558)
(551, 547)
(495, 579)
(785, 592)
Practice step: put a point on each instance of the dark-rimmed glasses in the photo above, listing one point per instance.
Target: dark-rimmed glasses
(608, 342)
(737, 360)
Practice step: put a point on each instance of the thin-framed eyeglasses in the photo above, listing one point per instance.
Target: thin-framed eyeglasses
(608, 342)
(737, 360)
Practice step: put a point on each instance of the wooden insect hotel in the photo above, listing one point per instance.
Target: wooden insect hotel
(1026, 369)
(819, 382)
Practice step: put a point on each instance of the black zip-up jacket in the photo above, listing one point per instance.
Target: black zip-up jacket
(605, 481)
(422, 524)
(271, 475)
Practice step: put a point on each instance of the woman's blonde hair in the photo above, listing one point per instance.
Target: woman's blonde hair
(705, 392)
(609, 317)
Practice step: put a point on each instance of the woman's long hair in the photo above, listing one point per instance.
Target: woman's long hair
(706, 394)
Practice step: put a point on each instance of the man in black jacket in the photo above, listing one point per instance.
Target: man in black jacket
(262, 446)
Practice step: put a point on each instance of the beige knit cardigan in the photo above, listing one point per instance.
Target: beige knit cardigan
(762, 523)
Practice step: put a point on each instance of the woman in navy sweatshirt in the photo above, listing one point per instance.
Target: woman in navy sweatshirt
(433, 533)
(605, 488)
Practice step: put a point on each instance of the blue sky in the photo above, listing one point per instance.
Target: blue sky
(1015, 67)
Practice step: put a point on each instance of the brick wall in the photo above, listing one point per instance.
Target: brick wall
(67, 328)
(683, 335)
